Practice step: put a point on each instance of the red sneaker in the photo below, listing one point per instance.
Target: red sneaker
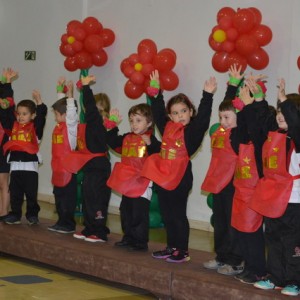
(94, 239)
(79, 235)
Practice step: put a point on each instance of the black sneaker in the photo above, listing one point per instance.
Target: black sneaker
(138, 247)
(60, 229)
(123, 244)
(163, 254)
(250, 278)
(12, 219)
(242, 275)
(33, 220)
(179, 256)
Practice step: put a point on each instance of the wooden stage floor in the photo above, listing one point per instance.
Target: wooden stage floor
(102, 260)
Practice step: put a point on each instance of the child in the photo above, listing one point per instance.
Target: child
(103, 104)
(126, 179)
(7, 117)
(277, 196)
(219, 180)
(171, 169)
(64, 138)
(92, 158)
(246, 221)
(24, 158)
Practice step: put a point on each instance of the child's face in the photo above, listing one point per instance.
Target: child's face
(138, 124)
(281, 120)
(24, 116)
(227, 119)
(59, 117)
(180, 113)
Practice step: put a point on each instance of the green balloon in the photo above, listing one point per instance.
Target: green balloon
(213, 128)
(210, 200)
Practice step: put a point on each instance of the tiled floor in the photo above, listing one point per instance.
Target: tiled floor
(21, 279)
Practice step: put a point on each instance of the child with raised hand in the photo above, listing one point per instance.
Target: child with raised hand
(24, 158)
(277, 196)
(64, 140)
(7, 118)
(92, 158)
(171, 169)
(219, 178)
(126, 178)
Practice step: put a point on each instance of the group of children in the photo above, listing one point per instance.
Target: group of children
(254, 173)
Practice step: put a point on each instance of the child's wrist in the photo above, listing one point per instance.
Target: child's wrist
(259, 94)
(3, 79)
(4, 103)
(234, 81)
(154, 83)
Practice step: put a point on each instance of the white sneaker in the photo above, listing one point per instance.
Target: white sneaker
(212, 264)
(231, 270)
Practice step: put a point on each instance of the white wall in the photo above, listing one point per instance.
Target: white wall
(181, 25)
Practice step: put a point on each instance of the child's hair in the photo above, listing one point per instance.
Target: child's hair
(294, 99)
(29, 104)
(103, 100)
(180, 98)
(61, 105)
(142, 109)
(226, 104)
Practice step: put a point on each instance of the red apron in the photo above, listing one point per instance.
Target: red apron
(222, 164)
(60, 148)
(23, 138)
(273, 191)
(168, 167)
(126, 176)
(246, 177)
(75, 160)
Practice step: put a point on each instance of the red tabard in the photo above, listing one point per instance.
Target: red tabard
(273, 191)
(126, 176)
(168, 167)
(75, 160)
(246, 177)
(60, 148)
(222, 164)
(23, 138)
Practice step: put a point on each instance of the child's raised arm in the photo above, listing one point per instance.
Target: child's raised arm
(88, 79)
(36, 96)
(281, 90)
(210, 85)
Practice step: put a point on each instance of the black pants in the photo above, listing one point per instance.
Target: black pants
(225, 236)
(173, 206)
(24, 183)
(283, 244)
(252, 245)
(96, 196)
(65, 202)
(135, 220)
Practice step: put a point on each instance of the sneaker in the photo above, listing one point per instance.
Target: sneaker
(123, 244)
(94, 239)
(11, 219)
(178, 256)
(230, 270)
(250, 278)
(60, 229)
(79, 235)
(265, 284)
(138, 247)
(212, 264)
(33, 220)
(242, 275)
(291, 290)
(163, 254)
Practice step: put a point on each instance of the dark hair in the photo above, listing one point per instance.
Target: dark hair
(180, 98)
(61, 105)
(142, 109)
(28, 104)
(294, 99)
(104, 101)
(226, 104)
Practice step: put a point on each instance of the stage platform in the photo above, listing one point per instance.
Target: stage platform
(102, 260)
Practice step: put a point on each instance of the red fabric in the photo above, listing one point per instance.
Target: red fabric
(23, 138)
(222, 164)
(126, 176)
(246, 177)
(75, 160)
(60, 148)
(168, 167)
(273, 191)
